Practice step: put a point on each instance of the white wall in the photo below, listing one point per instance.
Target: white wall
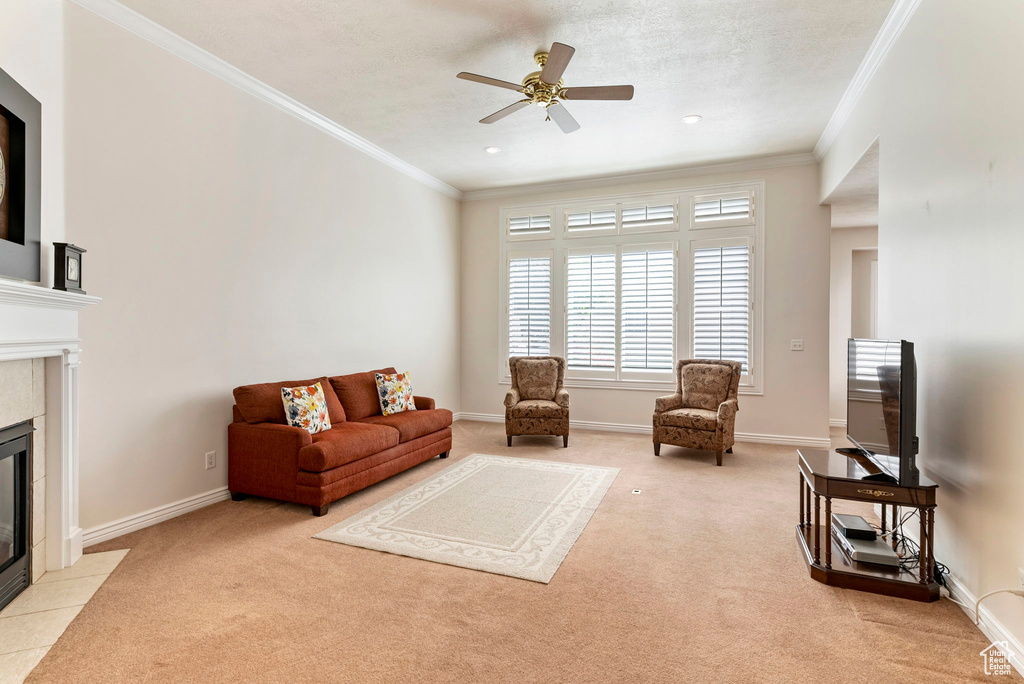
(946, 105)
(32, 53)
(795, 400)
(232, 244)
(845, 243)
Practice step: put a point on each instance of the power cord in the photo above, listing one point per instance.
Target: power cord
(977, 604)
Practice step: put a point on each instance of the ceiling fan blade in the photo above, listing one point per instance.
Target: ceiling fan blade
(465, 75)
(561, 116)
(502, 113)
(617, 92)
(558, 59)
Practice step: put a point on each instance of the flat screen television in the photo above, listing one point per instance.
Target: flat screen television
(881, 405)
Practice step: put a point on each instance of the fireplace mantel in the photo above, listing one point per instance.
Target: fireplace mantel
(37, 322)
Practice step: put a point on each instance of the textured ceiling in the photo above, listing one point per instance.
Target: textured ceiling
(765, 74)
(855, 200)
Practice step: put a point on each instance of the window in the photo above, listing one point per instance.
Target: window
(590, 311)
(529, 227)
(529, 306)
(630, 302)
(722, 210)
(648, 309)
(648, 217)
(721, 302)
(578, 222)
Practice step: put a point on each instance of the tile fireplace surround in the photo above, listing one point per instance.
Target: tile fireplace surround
(40, 323)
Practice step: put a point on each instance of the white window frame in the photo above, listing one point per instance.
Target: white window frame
(649, 375)
(651, 201)
(592, 373)
(520, 212)
(584, 207)
(558, 244)
(727, 192)
(527, 254)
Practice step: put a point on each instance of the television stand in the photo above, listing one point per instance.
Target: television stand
(827, 474)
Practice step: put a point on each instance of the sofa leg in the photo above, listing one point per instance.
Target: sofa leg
(239, 496)
(321, 510)
(509, 440)
(729, 450)
(565, 441)
(718, 457)
(657, 448)
(444, 455)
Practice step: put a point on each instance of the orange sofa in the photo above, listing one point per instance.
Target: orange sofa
(269, 458)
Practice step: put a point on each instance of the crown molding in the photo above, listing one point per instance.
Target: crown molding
(148, 30)
(751, 164)
(891, 29)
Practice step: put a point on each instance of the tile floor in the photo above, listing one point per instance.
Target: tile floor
(34, 621)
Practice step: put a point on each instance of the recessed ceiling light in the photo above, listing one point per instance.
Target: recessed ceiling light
(492, 150)
(692, 118)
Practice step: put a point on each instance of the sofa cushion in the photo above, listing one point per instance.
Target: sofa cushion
(262, 403)
(537, 408)
(345, 443)
(692, 418)
(705, 385)
(413, 424)
(358, 393)
(537, 378)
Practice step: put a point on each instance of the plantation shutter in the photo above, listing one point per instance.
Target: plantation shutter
(648, 217)
(529, 226)
(584, 221)
(529, 306)
(729, 209)
(721, 304)
(647, 309)
(590, 312)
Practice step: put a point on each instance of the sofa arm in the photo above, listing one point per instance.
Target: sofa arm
(424, 403)
(263, 458)
(512, 398)
(727, 416)
(668, 403)
(562, 398)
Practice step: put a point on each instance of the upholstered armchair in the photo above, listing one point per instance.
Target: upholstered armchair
(702, 412)
(537, 404)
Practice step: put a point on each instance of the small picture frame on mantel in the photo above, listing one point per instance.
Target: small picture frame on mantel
(67, 267)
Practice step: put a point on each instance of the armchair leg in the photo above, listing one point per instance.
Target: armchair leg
(657, 448)
(239, 496)
(718, 457)
(444, 455)
(565, 441)
(510, 440)
(321, 510)
(729, 450)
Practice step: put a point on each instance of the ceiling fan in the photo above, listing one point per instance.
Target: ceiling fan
(545, 89)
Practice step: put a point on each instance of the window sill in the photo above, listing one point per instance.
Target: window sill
(663, 386)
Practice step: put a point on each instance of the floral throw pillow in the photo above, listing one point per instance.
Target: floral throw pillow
(395, 392)
(306, 407)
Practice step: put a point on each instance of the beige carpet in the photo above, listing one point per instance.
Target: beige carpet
(507, 515)
(696, 579)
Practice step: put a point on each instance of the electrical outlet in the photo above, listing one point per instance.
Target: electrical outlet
(211, 459)
(796, 345)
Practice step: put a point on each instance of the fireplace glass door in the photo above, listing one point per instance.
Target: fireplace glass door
(14, 510)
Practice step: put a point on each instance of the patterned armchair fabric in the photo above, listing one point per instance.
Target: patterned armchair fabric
(537, 404)
(702, 412)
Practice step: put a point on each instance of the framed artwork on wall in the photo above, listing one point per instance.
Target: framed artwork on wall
(20, 164)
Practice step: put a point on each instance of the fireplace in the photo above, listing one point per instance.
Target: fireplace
(15, 549)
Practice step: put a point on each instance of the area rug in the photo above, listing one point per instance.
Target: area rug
(511, 516)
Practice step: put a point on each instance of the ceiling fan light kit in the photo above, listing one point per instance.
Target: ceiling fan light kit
(545, 88)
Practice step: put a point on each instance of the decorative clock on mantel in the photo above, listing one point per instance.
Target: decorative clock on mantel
(67, 267)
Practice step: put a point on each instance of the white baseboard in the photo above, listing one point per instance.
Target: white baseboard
(823, 442)
(101, 533)
(990, 626)
(836, 422)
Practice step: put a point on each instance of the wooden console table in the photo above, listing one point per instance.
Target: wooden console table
(827, 474)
